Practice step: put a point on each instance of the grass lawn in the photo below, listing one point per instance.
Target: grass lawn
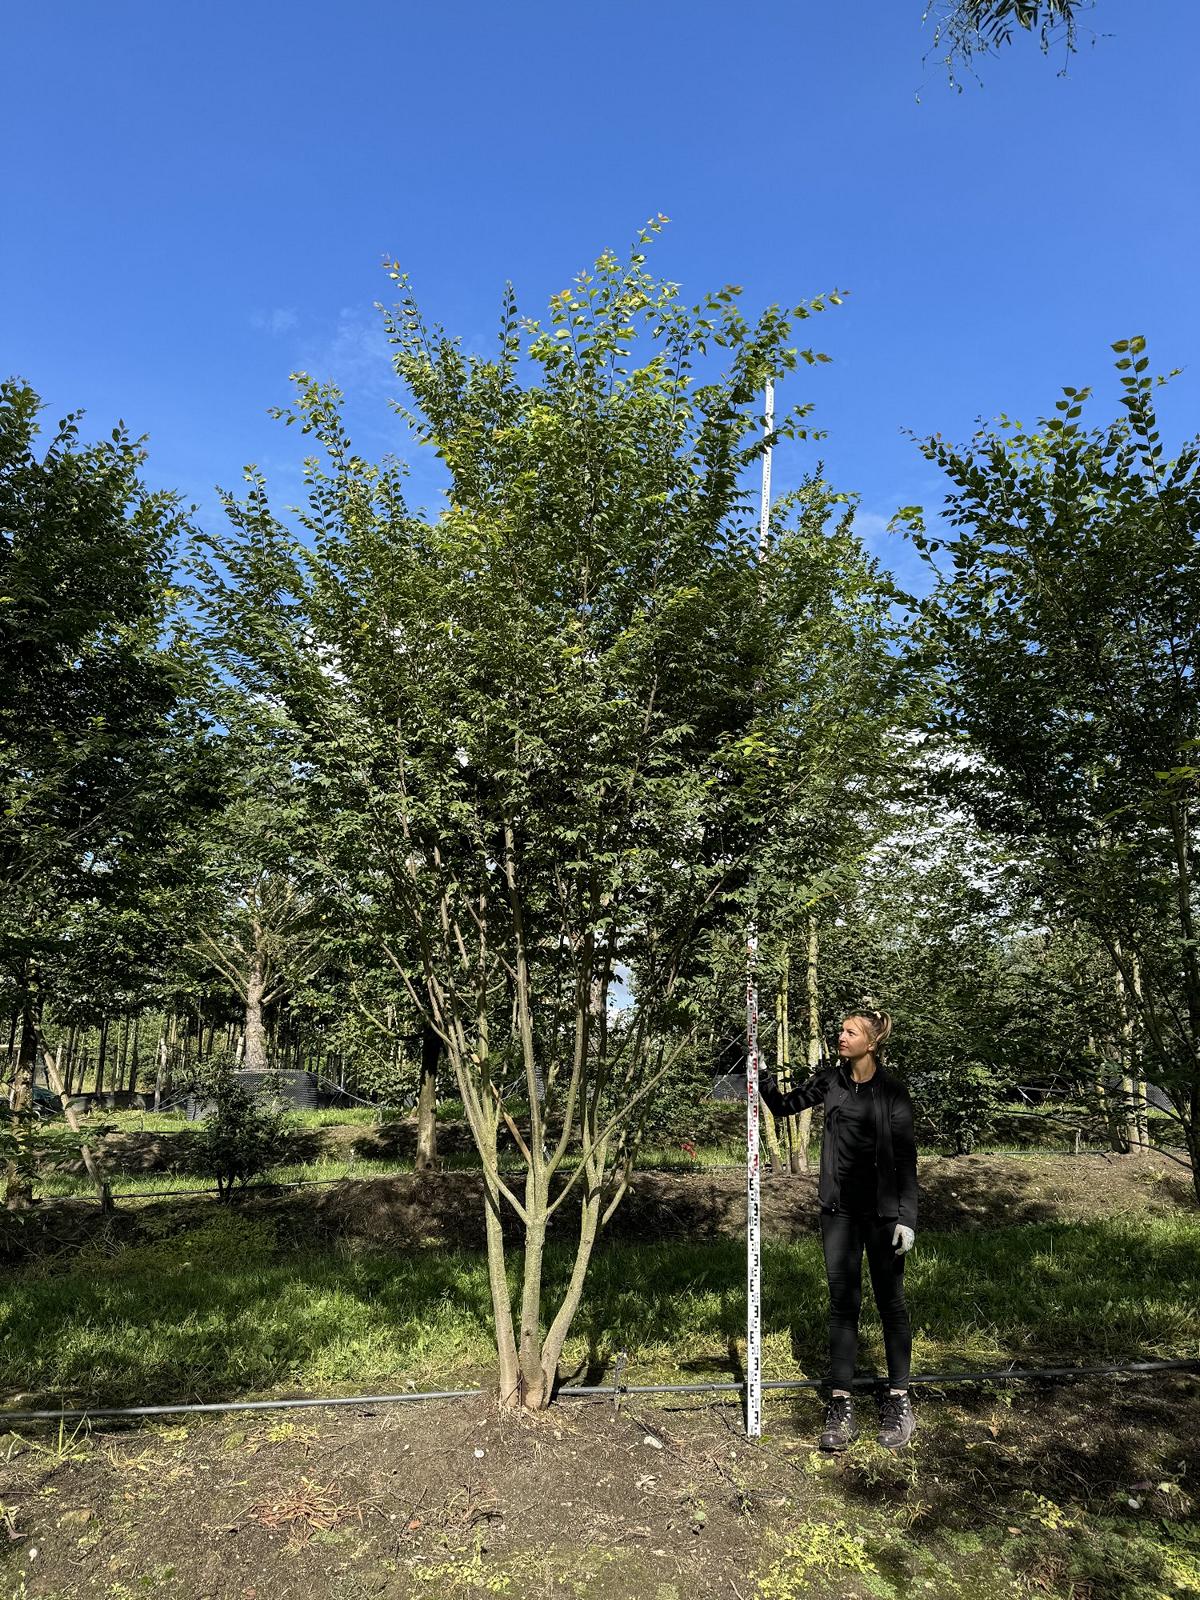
(218, 1307)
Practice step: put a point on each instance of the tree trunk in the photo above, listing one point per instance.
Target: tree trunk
(536, 1385)
(431, 1047)
(1181, 832)
(69, 1067)
(54, 1079)
(1129, 1065)
(802, 1136)
(160, 1071)
(255, 1056)
(1109, 1106)
(506, 1343)
(18, 1193)
(770, 1137)
(122, 1055)
(101, 1050)
(134, 1062)
(783, 1067)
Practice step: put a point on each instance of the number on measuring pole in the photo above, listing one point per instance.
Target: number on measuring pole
(753, 1285)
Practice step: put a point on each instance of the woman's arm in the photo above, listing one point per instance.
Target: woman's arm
(801, 1098)
(904, 1154)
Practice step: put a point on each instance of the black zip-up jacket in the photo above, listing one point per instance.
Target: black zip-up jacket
(895, 1141)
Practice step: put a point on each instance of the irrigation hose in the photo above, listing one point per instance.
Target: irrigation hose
(601, 1391)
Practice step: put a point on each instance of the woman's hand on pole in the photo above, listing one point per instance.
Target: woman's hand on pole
(903, 1238)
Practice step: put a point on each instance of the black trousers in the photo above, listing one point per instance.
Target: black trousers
(845, 1235)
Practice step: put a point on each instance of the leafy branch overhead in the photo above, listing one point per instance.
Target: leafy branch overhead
(963, 29)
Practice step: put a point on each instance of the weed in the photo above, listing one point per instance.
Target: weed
(812, 1549)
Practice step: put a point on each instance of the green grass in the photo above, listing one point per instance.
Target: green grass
(223, 1309)
(59, 1185)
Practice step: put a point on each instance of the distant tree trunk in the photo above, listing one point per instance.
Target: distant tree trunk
(1130, 1087)
(18, 1192)
(802, 1136)
(101, 1051)
(69, 1067)
(783, 1072)
(54, 1080)
(1108, 1102)
(255, 1053)
(134, 1053)
(431, 1049)
(122, 1054)
(770, 1136)
(160, 1069)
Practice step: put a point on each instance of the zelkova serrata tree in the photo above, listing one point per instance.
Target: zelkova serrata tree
(550, 716)
(255, 906)
(95, 736)
(1066, 633)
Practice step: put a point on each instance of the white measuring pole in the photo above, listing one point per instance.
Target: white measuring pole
(764, 510)
(753, 1206)
(753, 1218)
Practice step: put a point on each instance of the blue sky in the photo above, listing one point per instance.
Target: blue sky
(197, 199)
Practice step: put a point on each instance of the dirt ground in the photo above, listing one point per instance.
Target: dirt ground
(445, 1209)
(955, 1192)
(1002, 1493)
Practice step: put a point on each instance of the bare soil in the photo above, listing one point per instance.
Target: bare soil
(1000, 1494)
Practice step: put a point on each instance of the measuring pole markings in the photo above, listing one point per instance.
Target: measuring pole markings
(753, 1208)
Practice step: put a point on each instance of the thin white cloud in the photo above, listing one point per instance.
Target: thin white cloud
(280, 319)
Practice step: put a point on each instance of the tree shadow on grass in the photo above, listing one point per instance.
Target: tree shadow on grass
(1045, 1470)
(217, 1312)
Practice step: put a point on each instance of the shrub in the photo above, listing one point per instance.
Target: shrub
(244, 1133)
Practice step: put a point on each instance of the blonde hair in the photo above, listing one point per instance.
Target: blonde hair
(880, 1024)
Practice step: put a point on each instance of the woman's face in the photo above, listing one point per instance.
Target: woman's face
(854, 1041)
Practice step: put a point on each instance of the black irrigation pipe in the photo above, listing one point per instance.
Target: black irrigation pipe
(603, 1391)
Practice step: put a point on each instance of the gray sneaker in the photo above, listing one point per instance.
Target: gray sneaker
(840, 1431)
(897, 1422)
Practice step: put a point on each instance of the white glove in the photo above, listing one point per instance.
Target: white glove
(903, 1238)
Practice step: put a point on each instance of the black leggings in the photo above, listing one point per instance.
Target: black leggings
(844, 1235)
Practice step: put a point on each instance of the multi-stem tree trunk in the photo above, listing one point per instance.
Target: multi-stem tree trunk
(431, 1049)
(569, 1085)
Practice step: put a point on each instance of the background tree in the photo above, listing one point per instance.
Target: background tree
(259, 919)
(93, 764)
(1066, 634)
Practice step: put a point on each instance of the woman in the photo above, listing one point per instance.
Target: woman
(868, 1195)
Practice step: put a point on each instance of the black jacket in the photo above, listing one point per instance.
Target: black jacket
(895, 1142)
